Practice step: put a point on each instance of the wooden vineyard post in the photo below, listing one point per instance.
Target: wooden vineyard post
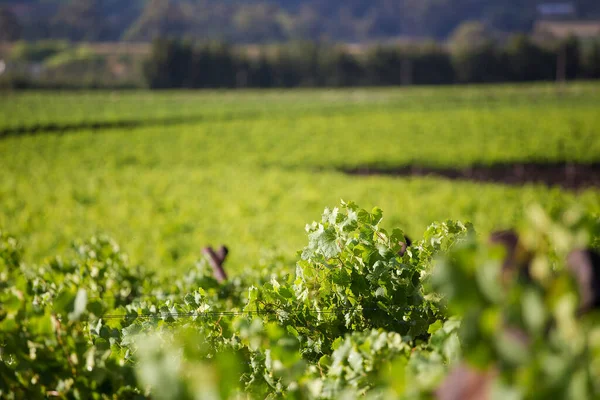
(561, 69)
(216, 260)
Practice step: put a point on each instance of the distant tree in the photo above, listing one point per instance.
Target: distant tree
(180, 64)
(384, 66)
(475, 54)
(528, 61)
(218, 65)
(341, 69)
(260, 72)
(469, 36)
(431, 64)
(592, 61)
(162, 68)
(10, 28)
(570, 49)
(307, 56)
(284, 68)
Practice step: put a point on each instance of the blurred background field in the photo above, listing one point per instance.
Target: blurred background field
(250, 168)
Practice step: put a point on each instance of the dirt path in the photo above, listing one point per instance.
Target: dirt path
(569, 176)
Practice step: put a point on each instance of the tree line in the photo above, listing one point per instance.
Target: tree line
(184, 64)
(264, 21)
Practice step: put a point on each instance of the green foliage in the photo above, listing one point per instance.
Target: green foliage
(78, 327)
(355, 319)
(469, 36)
(45, 346)
(10, 251)
(528, 330)
(529, 62)
(350, 278)
(473, 55)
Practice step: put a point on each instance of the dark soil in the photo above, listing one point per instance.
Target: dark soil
(92, 126)
(569, 176)
(121, 124)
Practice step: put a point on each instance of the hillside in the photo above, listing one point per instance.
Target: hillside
(259, 21)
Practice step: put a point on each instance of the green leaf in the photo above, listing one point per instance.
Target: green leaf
(325, 361)
(324, 241)
(64, 302)
(11, 303)
(79, 305)
(96, 307)
(488, 278)
(129, 334)
(337, 343)
(292, 330)
(355, 360)
(534, 312)
(190, 299)
(350, 223)
(433, 328)
(512, 348)
(377, 215)
(41, 325)
(102, 345)
(364, 217)
(286, 292)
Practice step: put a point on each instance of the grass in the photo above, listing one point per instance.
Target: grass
(243, 173)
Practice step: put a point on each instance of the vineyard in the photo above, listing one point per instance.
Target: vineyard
(107, 200)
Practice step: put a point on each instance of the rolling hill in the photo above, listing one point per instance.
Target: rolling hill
(260, 21)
